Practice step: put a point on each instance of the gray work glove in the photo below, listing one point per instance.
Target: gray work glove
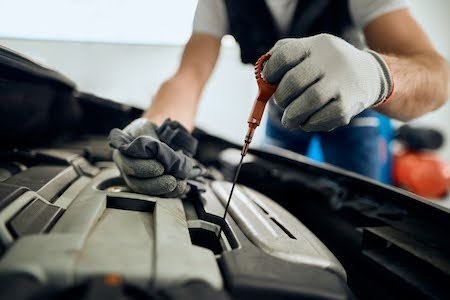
(323, 81)
(153, 160)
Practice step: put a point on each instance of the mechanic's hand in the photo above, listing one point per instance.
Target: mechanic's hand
(323, 81)
(155, 161)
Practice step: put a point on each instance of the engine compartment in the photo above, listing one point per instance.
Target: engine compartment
(295, 229)
(67, 221)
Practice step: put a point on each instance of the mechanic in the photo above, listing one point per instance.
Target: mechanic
(336, 64)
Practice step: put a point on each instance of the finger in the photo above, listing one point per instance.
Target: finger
(313, 99)
(144, 168)
(285, 55)
(174, 162)
(152, 186)
(296, 81)
(331, 116)
(181, 189)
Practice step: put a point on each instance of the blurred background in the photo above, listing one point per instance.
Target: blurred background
(123, 50)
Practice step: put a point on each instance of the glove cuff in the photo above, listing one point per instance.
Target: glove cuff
(141, 126)
(387, 81)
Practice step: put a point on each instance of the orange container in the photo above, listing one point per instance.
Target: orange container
(422, 173)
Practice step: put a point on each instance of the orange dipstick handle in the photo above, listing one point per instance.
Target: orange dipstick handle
(265, 91)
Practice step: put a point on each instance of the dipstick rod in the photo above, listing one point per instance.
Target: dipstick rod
(236, 175)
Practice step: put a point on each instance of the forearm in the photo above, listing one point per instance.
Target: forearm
(177, 98)
(420, 85)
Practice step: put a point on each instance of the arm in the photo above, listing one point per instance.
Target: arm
(178, 97)
(420, 74)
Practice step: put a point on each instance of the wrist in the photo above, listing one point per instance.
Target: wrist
(160, 117)
(176, 99)
(156, 119)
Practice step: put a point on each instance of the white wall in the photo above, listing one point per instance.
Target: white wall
(167, 22)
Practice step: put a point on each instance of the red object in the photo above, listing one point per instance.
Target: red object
(265, 91)
(422, 173)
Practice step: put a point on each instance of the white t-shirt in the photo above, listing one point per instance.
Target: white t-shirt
(211, 15)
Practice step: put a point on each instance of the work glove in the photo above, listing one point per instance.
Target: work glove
(153, 160)
(323, 81)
